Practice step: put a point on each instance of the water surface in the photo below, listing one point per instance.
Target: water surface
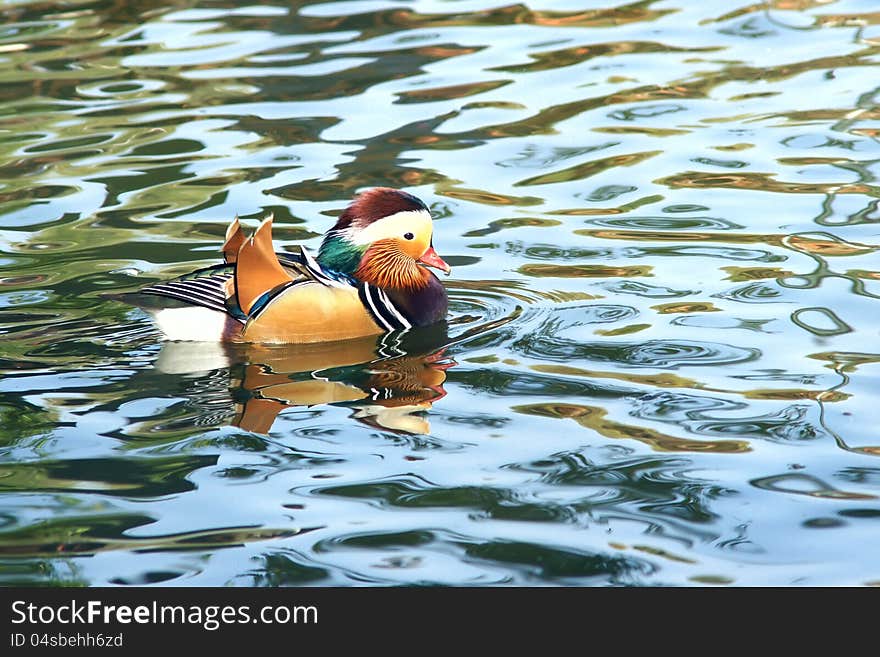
(660, 366)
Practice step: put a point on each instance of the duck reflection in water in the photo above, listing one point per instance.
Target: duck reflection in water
(388, 380)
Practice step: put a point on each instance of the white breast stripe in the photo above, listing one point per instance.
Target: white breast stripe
(376, 313)
(390, 306)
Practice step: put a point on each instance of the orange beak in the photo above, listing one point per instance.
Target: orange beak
(431, 259)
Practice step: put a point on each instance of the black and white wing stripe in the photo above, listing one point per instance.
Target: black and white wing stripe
(381, 309)
(206, 289)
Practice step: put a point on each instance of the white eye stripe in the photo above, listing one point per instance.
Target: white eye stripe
(417, 222)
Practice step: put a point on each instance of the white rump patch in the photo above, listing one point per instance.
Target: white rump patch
(192, 324)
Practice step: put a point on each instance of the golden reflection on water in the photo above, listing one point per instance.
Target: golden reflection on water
(587, 169)
(594, 418)
(740, 274)
(667, 380)
(763, 182)
(585, 271)
(687, 307)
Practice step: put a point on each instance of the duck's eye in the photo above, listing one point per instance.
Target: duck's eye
(408, 236)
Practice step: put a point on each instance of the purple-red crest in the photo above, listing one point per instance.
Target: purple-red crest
(375, 204)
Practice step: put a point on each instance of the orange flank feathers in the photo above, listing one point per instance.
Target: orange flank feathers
(311, 312)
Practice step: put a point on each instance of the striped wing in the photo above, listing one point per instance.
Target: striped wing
(212, 288)
(205, 287)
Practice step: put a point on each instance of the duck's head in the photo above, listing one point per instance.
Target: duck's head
(383, 238)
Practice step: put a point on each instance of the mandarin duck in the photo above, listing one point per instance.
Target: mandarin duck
(368, 277)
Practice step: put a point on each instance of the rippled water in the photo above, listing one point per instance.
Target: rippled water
(661, 365)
